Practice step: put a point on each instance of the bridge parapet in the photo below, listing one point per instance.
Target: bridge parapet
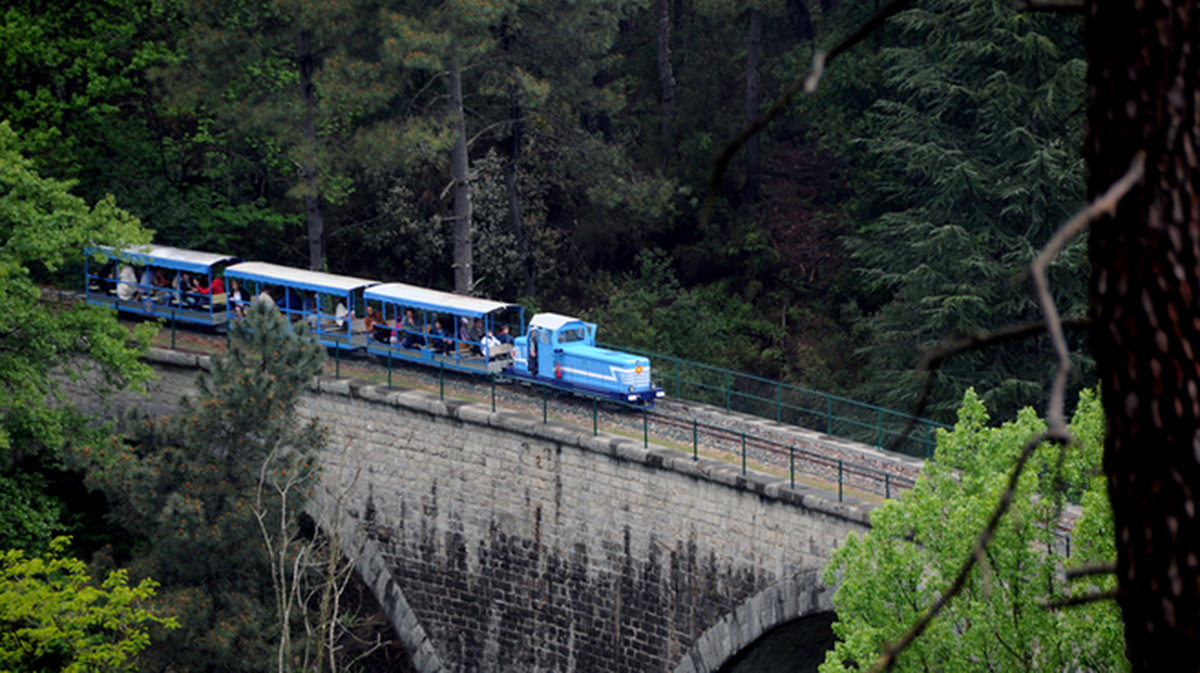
(498, 543)
(518, 545)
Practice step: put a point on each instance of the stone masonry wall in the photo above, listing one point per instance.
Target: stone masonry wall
(521, 546)
(497, 543)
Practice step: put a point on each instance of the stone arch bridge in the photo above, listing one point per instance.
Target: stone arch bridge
(498, 543)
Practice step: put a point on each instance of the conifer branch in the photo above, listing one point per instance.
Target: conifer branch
(1051, 6)
(965, 343)
(1052, 324)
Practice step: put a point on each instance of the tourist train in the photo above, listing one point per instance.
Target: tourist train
(390, 320)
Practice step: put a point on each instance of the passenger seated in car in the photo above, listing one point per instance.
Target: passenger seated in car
(439, 345)
(237, 298)
(489, 343)
(127, 289)
(412, 334)
(146, 282)
(475, 334)
(504, 337)
(160, 280)
(371, 320)
(265, 297)
(106, 279)
(192, 298)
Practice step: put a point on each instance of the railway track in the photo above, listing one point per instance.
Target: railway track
(847, 472)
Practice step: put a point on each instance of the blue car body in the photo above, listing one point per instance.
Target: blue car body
(174, 301)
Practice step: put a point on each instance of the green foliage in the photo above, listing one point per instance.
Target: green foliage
(916, 545)
(44, 229)
(974, 156)
(650, 310)
(30, 516)
(68, 68)
(190, 486)
(53, 617)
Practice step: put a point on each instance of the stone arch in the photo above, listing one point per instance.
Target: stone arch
(374, 572)
(800, 595)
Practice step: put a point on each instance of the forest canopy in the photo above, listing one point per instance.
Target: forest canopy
(886, 212)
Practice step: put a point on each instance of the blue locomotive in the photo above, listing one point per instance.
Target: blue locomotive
(562, 351)
(396, 321)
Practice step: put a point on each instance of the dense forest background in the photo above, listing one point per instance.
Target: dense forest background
(894, 208)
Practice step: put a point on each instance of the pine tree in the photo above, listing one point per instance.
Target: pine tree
(975, 160)
(197, 489)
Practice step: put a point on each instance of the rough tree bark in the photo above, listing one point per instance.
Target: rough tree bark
(1143, 62)
(514, 200)
(666, 78)
(459, 167)
(753, 100)
(801, 19)
(308, 163)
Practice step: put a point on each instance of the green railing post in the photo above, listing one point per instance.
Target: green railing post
(839, 479)
(743, 454)
(337, 362)
(441, 380)
(728, 390)
(595, 416)
(792, 467)
(544, 412)
(389, 370)
(778, 402)
(879, 427)
(645, 428)
(887, 486)
(492, 376)
(829, 414)
(172, 329)
(695, 439)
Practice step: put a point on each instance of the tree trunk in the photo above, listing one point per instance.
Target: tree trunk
(753, 100)
(514, 204)
(666, 79)
(308, 160)
(801, 20)
(462, 188)
(1143, 65)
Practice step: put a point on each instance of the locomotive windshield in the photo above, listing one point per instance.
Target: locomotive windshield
(566, 336)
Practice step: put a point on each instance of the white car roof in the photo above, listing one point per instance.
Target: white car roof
(172, 258)
(412, 296)
(275, 274)
(551, 321)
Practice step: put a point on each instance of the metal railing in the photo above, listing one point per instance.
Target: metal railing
(743, 450)
(792, 405)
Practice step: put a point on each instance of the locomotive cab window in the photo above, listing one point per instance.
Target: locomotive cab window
(567, 336)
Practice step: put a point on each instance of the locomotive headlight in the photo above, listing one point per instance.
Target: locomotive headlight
(632, 398)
